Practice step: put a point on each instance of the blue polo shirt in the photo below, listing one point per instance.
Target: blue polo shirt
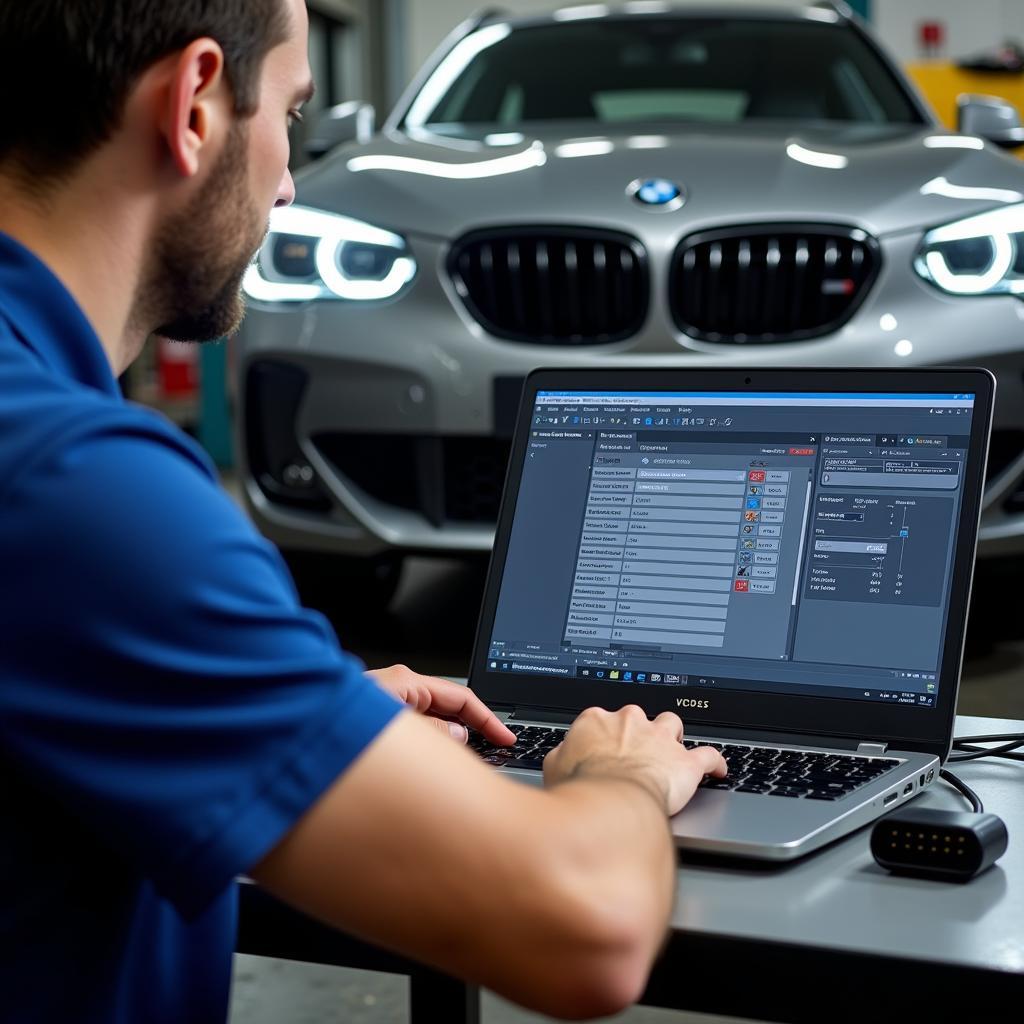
(167, 709)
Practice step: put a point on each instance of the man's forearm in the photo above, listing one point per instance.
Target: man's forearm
(614, 835)
(555, 898)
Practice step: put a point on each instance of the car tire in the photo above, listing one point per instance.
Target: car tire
(346, 586)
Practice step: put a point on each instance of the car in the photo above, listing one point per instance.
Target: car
(648, 185)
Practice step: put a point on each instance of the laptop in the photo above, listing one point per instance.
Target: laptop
(782, 557)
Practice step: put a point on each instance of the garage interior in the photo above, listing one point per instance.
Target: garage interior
(367, 51)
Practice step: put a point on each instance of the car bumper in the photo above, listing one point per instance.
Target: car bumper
(415, 390)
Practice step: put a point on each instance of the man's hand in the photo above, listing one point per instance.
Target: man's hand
(624, 744)
(446, 703)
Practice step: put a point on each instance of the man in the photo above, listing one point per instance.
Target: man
(169, 716)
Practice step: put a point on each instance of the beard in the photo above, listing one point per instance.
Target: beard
(194, 287)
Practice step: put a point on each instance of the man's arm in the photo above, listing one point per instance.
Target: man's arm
(214, 717)
(557, 898)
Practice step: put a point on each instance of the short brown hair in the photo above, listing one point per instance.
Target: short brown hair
(67, 66)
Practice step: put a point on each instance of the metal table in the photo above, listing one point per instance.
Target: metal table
(831, 937)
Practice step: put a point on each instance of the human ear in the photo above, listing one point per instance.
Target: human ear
(193, 103)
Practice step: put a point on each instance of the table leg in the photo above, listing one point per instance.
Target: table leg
(436, 997)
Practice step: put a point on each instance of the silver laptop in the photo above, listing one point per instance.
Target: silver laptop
(783, 557)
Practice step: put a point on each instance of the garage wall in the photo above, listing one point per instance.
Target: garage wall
(368, 50)
(970, 26)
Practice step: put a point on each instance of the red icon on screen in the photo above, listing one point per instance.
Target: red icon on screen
(741, 586)
(756, 476)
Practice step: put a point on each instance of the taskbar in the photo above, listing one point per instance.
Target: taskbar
(633, 677)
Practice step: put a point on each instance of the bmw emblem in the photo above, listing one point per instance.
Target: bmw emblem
(658, 193)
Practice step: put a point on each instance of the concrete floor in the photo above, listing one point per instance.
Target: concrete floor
(277, 992)
(430, 627)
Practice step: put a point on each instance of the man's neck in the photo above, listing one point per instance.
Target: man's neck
(96, 248)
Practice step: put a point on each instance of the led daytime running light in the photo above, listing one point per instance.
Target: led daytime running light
(332, 233)
(1001, 228)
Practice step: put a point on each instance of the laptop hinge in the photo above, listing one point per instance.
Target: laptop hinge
(872, 749)
(540, 715)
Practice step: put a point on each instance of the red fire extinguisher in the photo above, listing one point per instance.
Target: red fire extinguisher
(177, 368)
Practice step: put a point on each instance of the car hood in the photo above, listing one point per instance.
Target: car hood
(886, 180)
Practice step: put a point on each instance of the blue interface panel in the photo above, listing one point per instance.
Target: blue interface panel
(781, 542)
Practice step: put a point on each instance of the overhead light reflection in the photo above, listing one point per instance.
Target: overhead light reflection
(942, 187)
(584, 147)
(888, 322)
(648, 7)
(647, 142)
(505, 139)
(580, 11)
(817, 14)
(953, 142)
(813, 158)
(904, 347)
(523, 161)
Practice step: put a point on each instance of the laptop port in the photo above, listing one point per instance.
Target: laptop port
(920, 781)
(889, 799)
(908, 788)
(931, 775)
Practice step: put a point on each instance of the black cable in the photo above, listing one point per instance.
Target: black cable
(999, 737)
(967, 751)
(984, 752)
(979, 752)
(959, 784)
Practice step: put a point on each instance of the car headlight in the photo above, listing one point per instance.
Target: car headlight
(311, 254)
(980, 255)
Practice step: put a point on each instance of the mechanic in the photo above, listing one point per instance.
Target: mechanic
(170, 717)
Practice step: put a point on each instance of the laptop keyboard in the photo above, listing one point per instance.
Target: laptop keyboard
(793, 773)
(532, 743)
(767, 771)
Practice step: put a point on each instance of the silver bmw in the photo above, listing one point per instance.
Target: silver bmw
(650, 186)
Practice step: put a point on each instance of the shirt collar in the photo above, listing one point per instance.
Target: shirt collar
(46, 319)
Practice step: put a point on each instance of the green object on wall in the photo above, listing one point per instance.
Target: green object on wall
(214, 413)
(862, 7)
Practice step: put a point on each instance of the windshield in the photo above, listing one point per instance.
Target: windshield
(614, 71)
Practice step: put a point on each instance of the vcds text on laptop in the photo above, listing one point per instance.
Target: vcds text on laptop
(783, 558)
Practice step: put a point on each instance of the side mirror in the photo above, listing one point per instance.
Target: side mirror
(347, 122)
(990, 118)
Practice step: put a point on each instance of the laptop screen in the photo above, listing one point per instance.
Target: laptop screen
(791, 543)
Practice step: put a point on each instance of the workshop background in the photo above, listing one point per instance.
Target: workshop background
(369, 50)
